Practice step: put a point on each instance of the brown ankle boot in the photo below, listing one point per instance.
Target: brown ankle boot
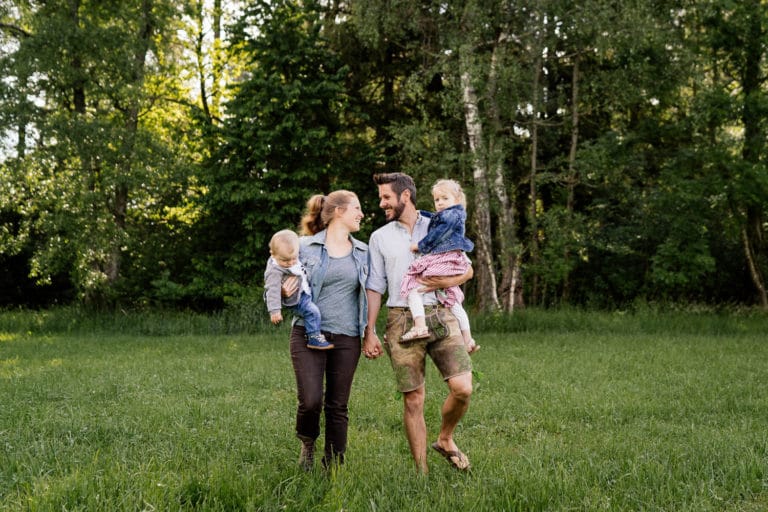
(307, 455)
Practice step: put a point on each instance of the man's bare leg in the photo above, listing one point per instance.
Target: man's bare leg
(416, 427)
(454, 407)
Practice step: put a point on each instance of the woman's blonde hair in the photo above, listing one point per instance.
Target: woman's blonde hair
(454, 188)
(320, 210)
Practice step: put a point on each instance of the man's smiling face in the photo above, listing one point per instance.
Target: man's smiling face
(390, 202)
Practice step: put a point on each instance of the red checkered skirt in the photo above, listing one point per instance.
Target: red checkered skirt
(442, 264)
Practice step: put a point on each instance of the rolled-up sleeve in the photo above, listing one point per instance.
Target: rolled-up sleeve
(377, 275)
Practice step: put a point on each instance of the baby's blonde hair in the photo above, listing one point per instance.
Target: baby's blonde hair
(282, 239)
(454, 188)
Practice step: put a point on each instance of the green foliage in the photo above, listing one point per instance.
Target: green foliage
(562, 248)
(684, 207)
(106, 163)
(145, 163)
(429, 153)
(286, 138)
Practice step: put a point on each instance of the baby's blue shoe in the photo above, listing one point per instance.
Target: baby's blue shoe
(318, 342)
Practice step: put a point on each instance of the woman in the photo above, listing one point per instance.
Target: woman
(337, 267)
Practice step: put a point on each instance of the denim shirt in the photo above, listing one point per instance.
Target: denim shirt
(314, 257)
(446, 232)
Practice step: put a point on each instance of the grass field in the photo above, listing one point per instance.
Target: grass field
(571, 411)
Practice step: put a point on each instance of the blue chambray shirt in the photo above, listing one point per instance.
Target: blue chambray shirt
(314, 257)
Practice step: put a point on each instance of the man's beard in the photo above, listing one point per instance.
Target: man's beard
(397, 211)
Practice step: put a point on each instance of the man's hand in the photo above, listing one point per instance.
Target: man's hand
(371, 344)
(431, 284)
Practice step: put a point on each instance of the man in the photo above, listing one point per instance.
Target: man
(389, 250)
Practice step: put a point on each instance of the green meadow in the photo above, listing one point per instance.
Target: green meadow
(572, 410)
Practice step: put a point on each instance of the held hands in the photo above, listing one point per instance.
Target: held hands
(371, 345)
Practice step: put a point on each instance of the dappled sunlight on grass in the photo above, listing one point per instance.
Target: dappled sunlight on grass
(10, 368)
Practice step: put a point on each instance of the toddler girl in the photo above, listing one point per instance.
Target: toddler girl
(442, 254)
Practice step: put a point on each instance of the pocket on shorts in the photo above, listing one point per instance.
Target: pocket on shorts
(397, 324)
(438, 329)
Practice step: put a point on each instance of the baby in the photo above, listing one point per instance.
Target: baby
(284, 263)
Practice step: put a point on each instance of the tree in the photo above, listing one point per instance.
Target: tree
(728, 117)
(612, 151)
(100, 158)
(287, 136)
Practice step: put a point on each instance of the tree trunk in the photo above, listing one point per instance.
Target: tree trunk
(487, 298)
(516, 285)
(573, 177)
(218, 61)
(120, 195)
(505, 214)
(754, 270)
(78, 83)
(200, 56)
(754, 143)
(91, 165)
(534, 250)
(23, 119)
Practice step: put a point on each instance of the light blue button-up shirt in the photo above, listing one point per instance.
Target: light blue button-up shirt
(390, 252)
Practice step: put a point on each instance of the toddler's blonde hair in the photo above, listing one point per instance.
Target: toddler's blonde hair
(454, 188)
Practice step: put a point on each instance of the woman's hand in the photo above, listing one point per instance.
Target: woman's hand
(290, 286)
(371, 344)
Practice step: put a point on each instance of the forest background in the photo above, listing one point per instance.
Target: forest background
(613, 151)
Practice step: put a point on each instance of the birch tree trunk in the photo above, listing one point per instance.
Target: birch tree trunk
(487, 295)
(509, 257)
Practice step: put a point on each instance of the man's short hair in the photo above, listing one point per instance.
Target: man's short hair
(399, 182)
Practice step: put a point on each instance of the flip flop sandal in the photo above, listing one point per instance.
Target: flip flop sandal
(455, 458)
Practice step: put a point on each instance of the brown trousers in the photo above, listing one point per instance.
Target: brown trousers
(337, 368)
